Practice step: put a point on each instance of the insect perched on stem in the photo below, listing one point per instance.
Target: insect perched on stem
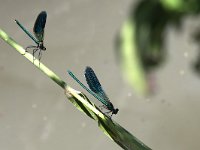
(38, 31)
(95, 89)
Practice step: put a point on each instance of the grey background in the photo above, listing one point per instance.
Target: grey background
(34, 112)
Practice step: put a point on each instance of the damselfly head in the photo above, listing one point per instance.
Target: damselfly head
(115, 111)
(41, 46)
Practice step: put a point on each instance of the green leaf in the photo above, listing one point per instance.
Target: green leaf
(111, 128)
(131, 64)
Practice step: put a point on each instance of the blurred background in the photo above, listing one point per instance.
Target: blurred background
(34, 112)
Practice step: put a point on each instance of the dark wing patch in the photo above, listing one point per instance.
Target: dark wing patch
(94, 83)
(39, 26)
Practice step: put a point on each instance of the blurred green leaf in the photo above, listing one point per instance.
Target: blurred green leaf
(141, 42)
(130, 61)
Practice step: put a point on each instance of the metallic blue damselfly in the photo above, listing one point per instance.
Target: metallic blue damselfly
(38, 31)
(95, 89)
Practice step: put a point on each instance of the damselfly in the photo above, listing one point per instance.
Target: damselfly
(95, 89)
(38, 31)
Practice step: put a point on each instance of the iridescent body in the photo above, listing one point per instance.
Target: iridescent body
(38, 31)
(95, 89)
